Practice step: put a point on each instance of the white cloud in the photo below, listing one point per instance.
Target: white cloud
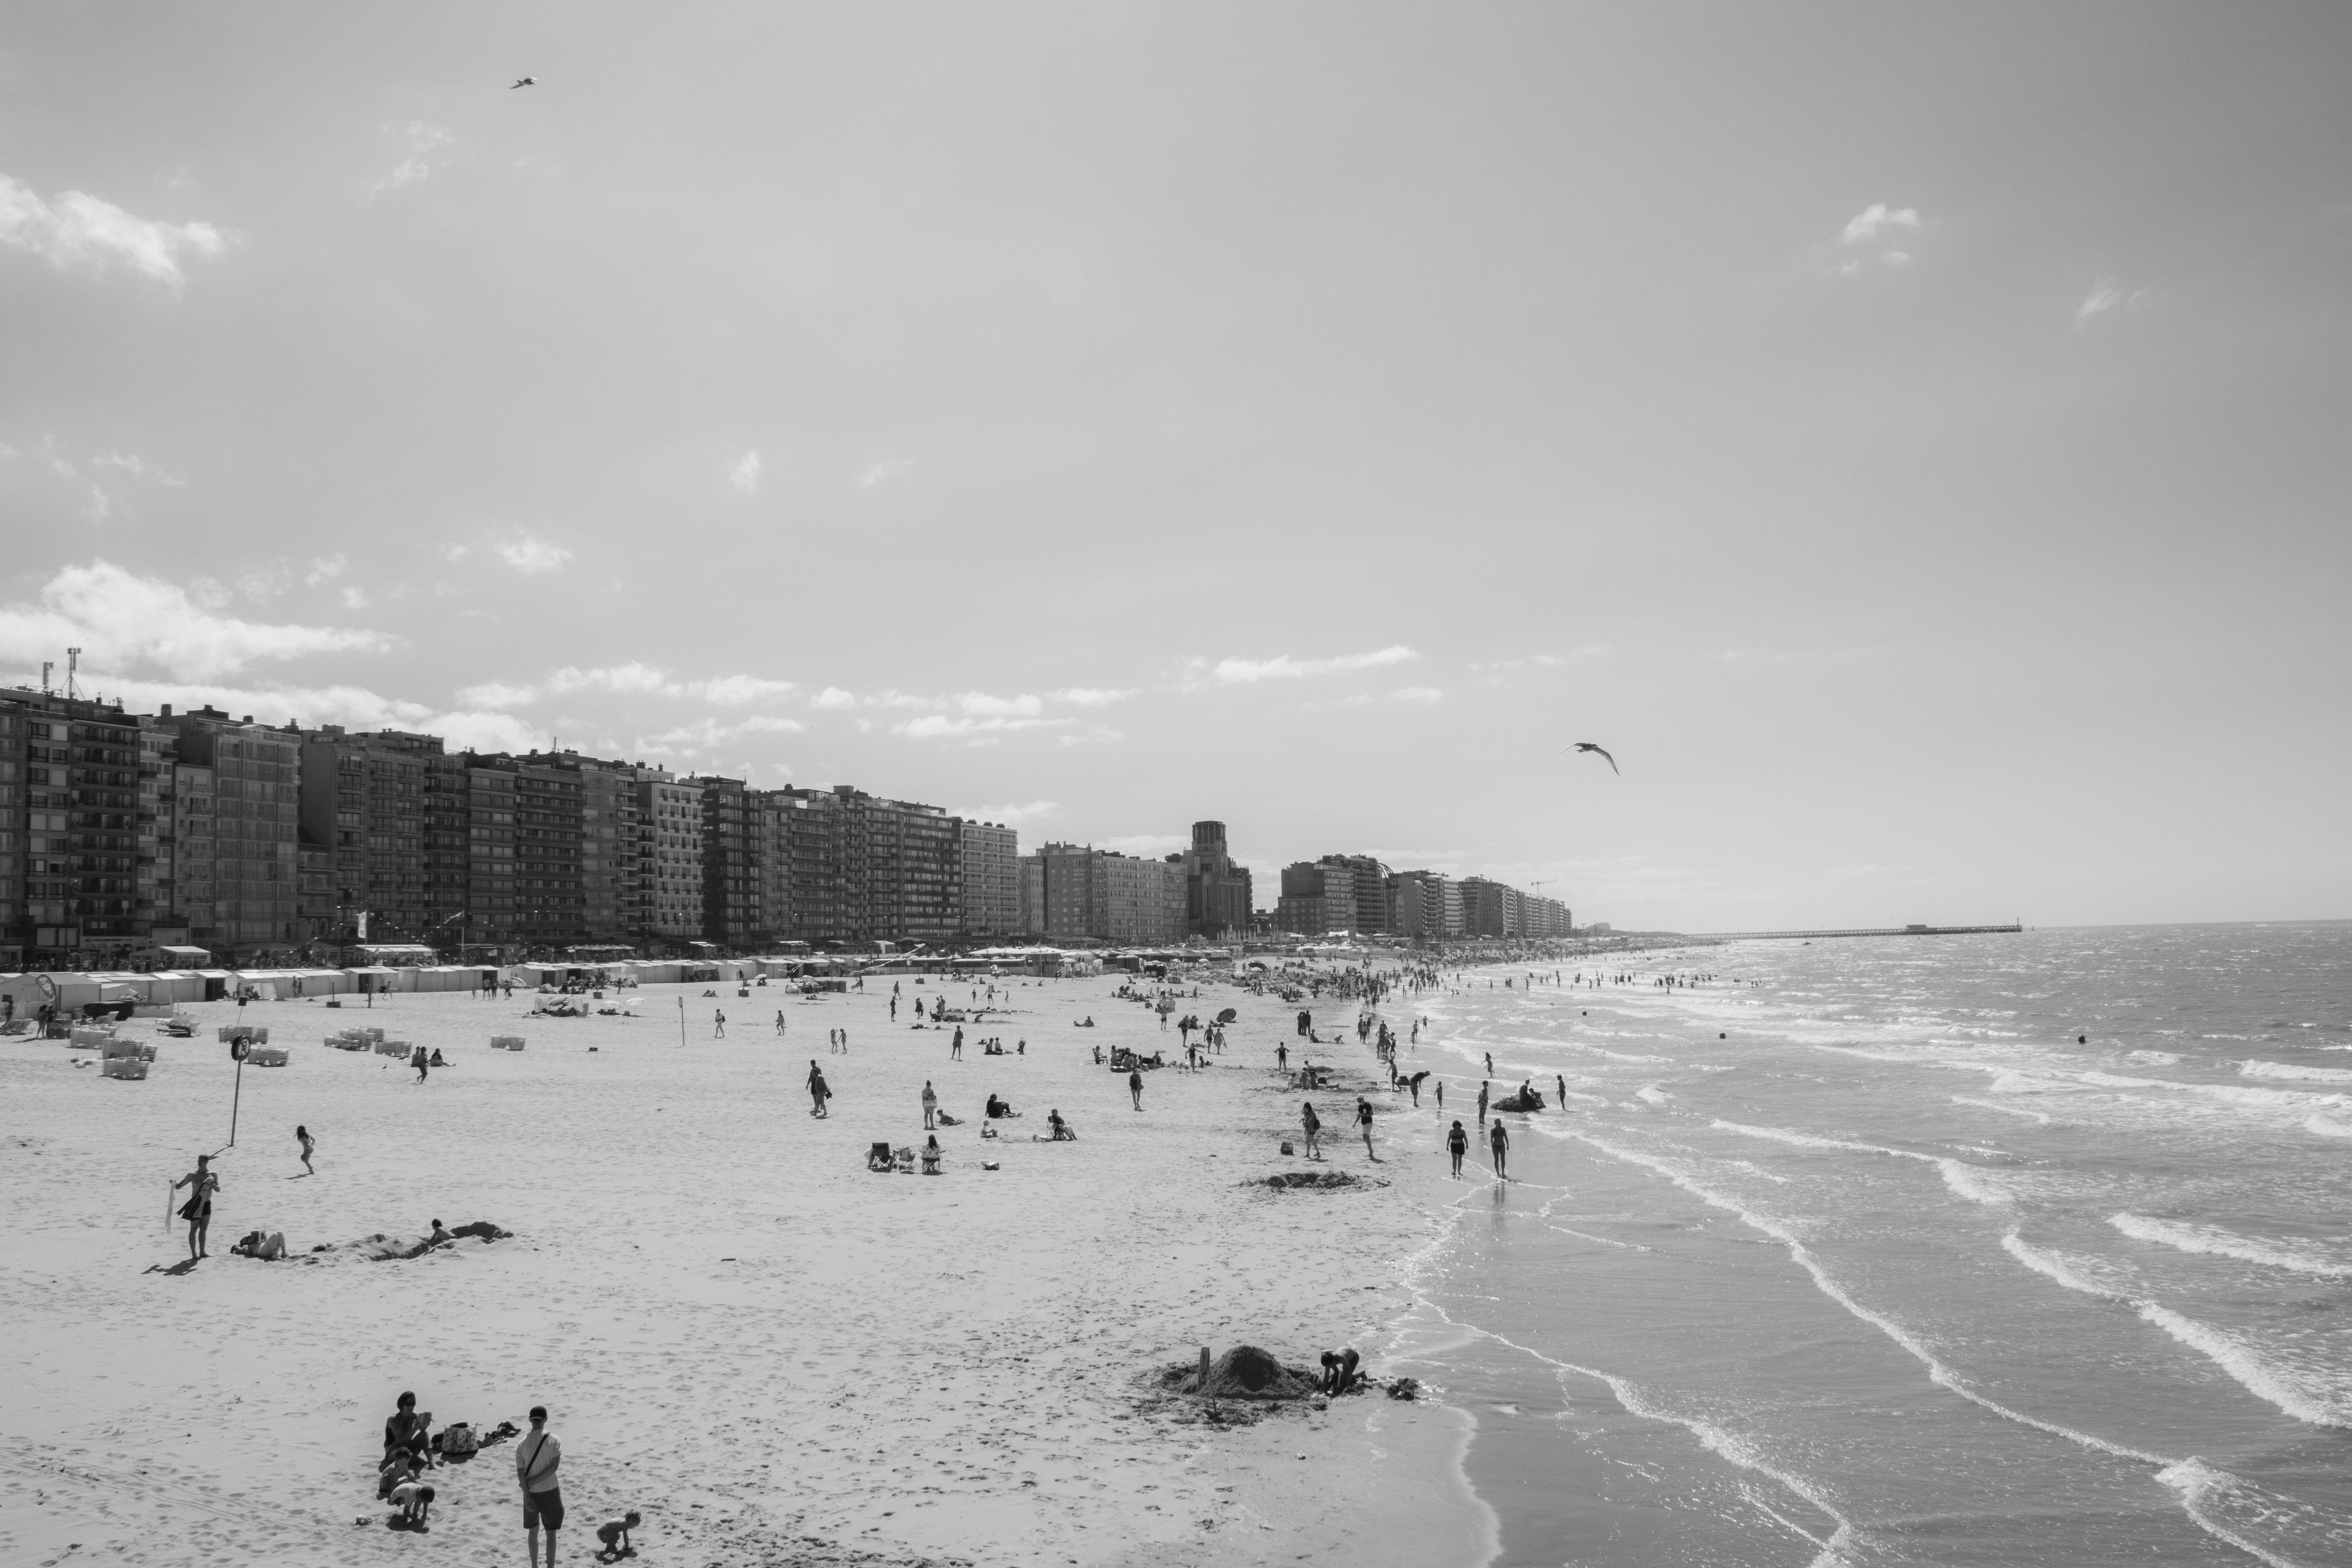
(1248, 671)
(1092, 695)
(422, 141)
(883, 472)
(355, 597)
(632, 677)
(454, 553)
(704, 734)
(833, 697)
(932, 726)
(354, 707)
(122, 620)
(97, 506)
(532, 556)
(80, 230)
(1026, 706)
(325, 570)
(495, 694)
(745, 475)
(1422, 694)
(1895, 259)
(1010, 815)
(735, 690)
(2106, 296)
(1865, 224)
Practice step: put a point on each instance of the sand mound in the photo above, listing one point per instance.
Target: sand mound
(1528, 1099)
(1286, 1180)
(1245, 1371)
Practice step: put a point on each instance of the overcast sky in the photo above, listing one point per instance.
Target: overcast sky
(1914, 442)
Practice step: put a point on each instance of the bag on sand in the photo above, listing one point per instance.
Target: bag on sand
(458, 1439)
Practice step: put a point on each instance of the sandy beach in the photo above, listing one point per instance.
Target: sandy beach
(772, 1353)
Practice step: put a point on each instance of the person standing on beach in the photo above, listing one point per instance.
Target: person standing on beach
(1499, 1145)
(955, 1050)
(418, 1060)
(537, 1457)
(1482, 1102)
(302, 1136)
(1311, 1125)
(717, 1024)
(1490, 1064)
(1457, 1144)
(780, 1023)
(1281, 1056)
(930, 1107)
(1364, 1124)
(199, 1210)
(818, 1092)
(1561, 1084)
(1135, 1087)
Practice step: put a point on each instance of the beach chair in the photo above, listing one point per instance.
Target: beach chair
(902, 1160)
(877, 1157)
(265, 1056)
(123, 1067)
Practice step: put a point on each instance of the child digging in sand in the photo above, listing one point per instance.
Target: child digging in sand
(614, 1534)
(411, 1501)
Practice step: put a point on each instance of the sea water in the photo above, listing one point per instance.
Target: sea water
(2005, 1249)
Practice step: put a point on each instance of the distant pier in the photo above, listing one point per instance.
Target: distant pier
(1876, 930)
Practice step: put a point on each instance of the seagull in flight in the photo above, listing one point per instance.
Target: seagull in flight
(1590, 746)
(524, 81)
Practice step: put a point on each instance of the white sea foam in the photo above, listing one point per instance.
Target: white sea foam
(2232, 1355)
(1967, 1181)
(1724, 1445)
(2328, 1126)
(2255, 1067)
(1651, 1094)
(1937, 1373)
(2227, 1244)
(2202, 1489)
(2244, 1363)
(2158, 1059)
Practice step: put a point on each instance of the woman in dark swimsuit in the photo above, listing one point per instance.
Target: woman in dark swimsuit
(199, 1210)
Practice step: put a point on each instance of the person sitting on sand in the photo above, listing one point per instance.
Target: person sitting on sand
(411, 1501)
(399, 1467)
(403, 1429)
(435, 1059)
(614, 1534)
(1062, 1134)
(997, 1108)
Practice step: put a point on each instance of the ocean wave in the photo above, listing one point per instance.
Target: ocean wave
(2204, 1491)
(2328, 1126)
(2042, 1117)
(2161, 1059)
(2254, 1068)
(2242, 1361)
(1652, 1094)
(1941, 1375)
(2226, 1244)
(1967, 1181)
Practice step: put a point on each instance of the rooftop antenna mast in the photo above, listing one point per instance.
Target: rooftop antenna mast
(73, 663)
(47, 665)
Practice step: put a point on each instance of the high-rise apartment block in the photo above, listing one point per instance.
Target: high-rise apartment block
(1073, 892)
(1217, 890)
(991, 879)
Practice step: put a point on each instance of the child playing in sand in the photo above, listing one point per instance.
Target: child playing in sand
(411, 1501)
(310, 1145)
(614, 1534)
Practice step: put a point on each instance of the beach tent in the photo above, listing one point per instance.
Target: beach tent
(185, 957)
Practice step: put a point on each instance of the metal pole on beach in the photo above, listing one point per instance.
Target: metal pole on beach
(681, 1019)
(238, 1096)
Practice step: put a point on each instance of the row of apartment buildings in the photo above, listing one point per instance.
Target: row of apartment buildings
(121, 833)
(1358, 895)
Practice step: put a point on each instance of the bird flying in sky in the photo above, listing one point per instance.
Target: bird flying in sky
(1589, 746)
(524, 81)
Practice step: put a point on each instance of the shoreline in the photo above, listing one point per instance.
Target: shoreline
(742, 1332)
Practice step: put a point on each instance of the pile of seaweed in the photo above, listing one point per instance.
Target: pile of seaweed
(1522, 1100)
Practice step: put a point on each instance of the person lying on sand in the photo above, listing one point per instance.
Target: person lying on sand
(411, 1501)
(614, 1534)
(269, 1248)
